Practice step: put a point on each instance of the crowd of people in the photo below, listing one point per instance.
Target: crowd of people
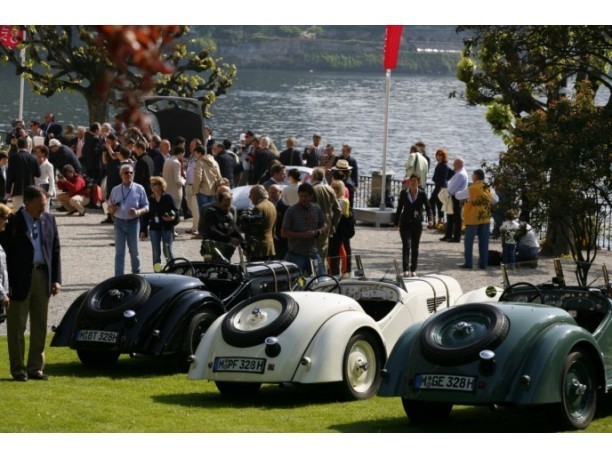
(151, 183)
(469, 207)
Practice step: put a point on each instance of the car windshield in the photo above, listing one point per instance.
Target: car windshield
(560, 271)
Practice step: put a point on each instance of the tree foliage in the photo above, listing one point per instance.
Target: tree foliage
(558, 162)
(113, 64)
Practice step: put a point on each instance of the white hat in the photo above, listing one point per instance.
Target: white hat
(342, 165)
(54, 143)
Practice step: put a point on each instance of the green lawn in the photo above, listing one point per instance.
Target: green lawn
(148, 395)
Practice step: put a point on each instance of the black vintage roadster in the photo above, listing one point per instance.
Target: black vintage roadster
(164, 313)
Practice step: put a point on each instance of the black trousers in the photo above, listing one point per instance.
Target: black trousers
(411, 237)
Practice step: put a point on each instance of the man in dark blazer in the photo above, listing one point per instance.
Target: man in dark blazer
(22, 168)
(32, 246)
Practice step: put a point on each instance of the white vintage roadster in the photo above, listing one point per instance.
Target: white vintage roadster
(333, 332)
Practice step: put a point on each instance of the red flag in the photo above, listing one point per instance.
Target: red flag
(11, 36)
(393, 37)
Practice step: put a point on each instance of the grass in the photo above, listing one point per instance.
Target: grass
(146, 395)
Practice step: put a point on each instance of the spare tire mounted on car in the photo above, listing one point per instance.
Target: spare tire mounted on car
(111, 298)
(457, 335)
(254, 320)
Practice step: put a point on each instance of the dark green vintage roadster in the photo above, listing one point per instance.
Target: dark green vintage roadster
(545, 344)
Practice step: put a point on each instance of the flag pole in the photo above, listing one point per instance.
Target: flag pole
(383, 185)
(393, 37)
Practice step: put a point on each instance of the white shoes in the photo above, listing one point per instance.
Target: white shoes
(410, 274)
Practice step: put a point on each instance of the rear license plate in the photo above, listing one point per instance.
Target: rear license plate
(97, 336)
(445, 382)
(239, 365)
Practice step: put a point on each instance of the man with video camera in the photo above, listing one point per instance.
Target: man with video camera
(258, 226)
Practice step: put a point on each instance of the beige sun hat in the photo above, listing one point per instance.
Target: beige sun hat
(342, 165)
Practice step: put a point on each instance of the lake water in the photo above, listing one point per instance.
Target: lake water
(342, 107)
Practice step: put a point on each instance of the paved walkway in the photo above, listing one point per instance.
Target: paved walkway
(88, 257)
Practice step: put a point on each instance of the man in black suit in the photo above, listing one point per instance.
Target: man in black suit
(144, 167)
(22, 168)
(32, 246)
(51, 128)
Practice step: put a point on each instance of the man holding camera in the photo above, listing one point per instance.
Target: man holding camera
(259, 225)
(127, 202)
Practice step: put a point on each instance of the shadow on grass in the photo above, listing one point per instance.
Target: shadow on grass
(125, 368)
(271, 396)
(462, 420)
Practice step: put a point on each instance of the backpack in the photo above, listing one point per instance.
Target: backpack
(346, 226)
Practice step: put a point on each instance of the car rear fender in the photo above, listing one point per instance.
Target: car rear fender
(538, 380)
(169, 336)
(64, 331)
(483, 294)
(396, 371)
(326, 350)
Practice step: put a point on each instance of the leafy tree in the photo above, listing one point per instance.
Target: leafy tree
(99, 62)
(557, 166)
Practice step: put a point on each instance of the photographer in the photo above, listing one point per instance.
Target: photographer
(258, 225)
(218, 228)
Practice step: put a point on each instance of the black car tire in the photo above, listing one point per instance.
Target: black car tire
(198, 325)
(97, 358)
(361, 366)
(237, 389)
(108, 300)
(234, 336)
(426, 412)
(578, 394)
(446, 339)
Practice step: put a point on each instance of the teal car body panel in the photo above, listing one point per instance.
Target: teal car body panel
(529, 363)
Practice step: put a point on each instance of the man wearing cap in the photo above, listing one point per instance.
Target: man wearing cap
(342, 171)
(313, 152)
(346, 155)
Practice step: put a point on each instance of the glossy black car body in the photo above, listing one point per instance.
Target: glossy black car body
(163, 313)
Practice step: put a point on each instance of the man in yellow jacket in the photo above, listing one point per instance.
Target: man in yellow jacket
(478, 197)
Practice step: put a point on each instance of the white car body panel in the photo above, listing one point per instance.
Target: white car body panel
(325, 323)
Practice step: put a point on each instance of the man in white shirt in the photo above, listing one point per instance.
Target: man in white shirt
(457, 183)
(46, 181)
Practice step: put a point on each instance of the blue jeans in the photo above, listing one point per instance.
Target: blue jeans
(303, 262)
(203, 199)
(161, 239)
(483, 231)
(126, 231)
